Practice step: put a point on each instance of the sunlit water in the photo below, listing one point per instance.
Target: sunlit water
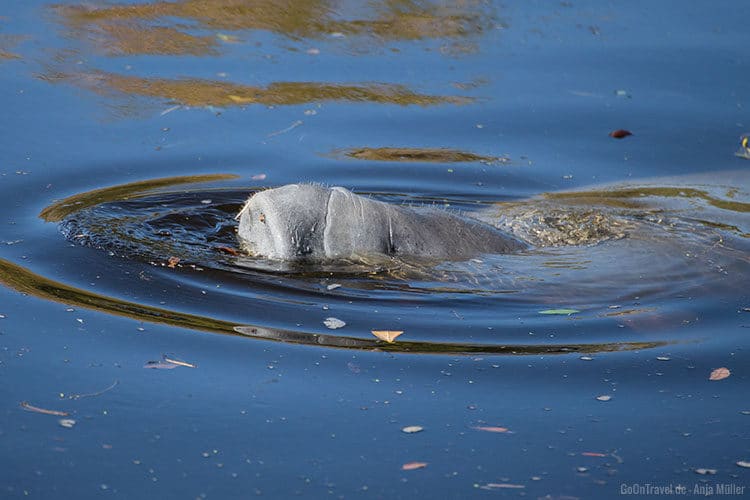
(134, 132)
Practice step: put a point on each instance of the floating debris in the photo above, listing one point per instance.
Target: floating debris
(94, 394)
(414, 466)
(334, 323)
(172, 262)
(426, 155)
(620, 133)
(719, 374)
(68, 423)
(497, 486)
(486, 428)
(387, 335)
(333, 286)
(36, 409)
(412, 429)
(744, 151)
(228, 250)
(565, 312)
(168, 363)
(604, 397)
(705, 472)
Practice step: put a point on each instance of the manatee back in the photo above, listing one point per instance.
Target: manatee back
(437, 234)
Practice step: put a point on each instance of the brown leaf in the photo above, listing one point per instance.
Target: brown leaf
(592, 454)
(387, 335)
(229, 250)
(720, 374)
(414, 466)
(36, 409)
(620, 133)
(172, 262)
(489, 428)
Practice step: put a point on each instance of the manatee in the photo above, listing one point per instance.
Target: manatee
(306, 222)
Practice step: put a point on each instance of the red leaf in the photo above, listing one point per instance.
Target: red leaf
(620, 133)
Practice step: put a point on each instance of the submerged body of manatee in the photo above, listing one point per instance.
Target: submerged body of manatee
(616, 253)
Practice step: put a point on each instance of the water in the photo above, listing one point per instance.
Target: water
(100, 101)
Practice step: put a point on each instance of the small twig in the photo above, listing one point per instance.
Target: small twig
(26, 406)
(284, 131)
(93, 394)
(179, 363)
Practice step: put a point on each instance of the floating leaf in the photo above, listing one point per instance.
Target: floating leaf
(334, 323)
(566, 312)
(387, 335)
(592, 454)
(489, 428)
(411, 429)
(719, 374)
(604, 397)
(172, 262)
(414, 466)
(620, 133)
(259, 177)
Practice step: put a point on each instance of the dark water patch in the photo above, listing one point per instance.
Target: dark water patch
(200, 92)
(61, 209)
(426, 155)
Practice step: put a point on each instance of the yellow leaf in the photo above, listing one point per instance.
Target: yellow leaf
(719, 374)
(387, 335)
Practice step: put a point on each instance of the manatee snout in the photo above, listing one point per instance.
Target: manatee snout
(310, 222)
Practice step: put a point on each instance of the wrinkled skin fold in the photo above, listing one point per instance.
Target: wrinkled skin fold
(299, 222)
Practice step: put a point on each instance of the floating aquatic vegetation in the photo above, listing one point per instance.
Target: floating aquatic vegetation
(427, 155)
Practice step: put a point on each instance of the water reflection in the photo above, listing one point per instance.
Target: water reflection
(25, 281)
(386, 20)
(199, 92)
(202, 28)
(7, 44)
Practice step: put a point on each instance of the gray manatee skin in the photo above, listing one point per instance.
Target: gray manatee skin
(299, 222)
